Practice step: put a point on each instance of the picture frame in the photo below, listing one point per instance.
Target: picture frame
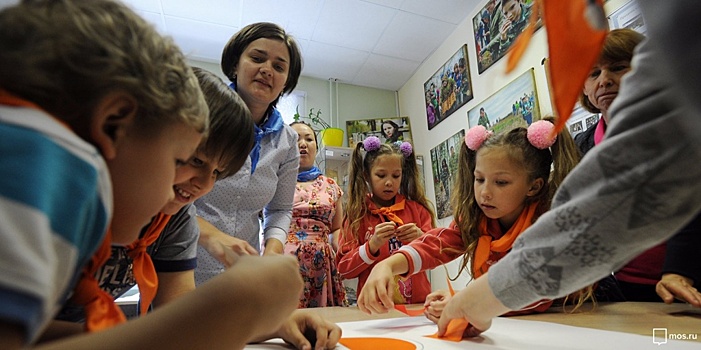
(514, 105)
(628, 16)
(387, 129)
(444, 165)
(490, 46)
(448, 89)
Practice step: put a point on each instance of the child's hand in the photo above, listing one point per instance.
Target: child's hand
(376, 295)
(306, 329)
(383, 232)
(435, 303)
(408, 232)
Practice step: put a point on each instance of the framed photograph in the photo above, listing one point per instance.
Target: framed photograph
(493, 31)
(514, 105)
(387, 129)
(580, 120)
(628, 16)
(444, 163)
(448, 89)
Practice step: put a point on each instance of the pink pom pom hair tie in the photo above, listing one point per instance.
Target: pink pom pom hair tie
(540, 134)
(475, 137)
(372, 143)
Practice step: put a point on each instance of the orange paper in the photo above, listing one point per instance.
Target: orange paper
(456, 327)
(404, 310)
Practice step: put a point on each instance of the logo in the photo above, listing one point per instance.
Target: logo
(659, 336)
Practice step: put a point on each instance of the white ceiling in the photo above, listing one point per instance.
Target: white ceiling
(374, 43)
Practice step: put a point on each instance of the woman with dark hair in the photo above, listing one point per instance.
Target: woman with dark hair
(262, 62)
(390, 131)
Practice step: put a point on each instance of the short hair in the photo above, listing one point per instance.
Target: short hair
(252, 32)
(231, 131)
(66, 55)
(618, 46)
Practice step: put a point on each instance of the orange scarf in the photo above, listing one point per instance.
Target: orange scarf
(144, 272)
(389, 212)
(100, 310)
(489, 228)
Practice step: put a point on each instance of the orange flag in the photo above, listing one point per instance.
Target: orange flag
(576, 32)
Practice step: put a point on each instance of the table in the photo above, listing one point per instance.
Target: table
(628, 317)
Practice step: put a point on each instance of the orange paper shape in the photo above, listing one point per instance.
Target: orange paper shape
(576, 32)
(404, 310)
(376, 343)
(456, 327)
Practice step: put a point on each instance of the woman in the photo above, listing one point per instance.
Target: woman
(390, 131)
(316, 220)
(263, 62)
(603, 82)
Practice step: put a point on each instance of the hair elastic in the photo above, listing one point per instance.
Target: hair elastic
(540, 134)
(372, 143)
(405, 148)
(475, 137)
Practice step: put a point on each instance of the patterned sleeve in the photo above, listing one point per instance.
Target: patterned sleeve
(629, 193)
(278, 212)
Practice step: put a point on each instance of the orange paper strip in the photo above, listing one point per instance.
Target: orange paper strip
(403, 309)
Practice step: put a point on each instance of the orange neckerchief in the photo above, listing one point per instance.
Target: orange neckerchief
(100, 309)
(144, 272)
(101, 312)
(489, 228)
(389, 212)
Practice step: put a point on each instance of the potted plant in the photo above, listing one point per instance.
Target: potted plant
(329, 135)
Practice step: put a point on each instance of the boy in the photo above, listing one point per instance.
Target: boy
(106, 101)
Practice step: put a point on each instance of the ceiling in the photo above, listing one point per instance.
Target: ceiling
(373, 43)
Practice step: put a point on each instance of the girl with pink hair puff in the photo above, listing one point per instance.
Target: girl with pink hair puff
(386, 209)
(504, 183)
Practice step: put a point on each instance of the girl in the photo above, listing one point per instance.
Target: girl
(504, 184)
(316, 215)
(387, 208)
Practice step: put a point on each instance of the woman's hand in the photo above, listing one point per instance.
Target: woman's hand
(677, 286)
(408, 232)
(435, 303)
(220, 245)
(383, 232)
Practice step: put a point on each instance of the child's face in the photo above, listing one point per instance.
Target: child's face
(143, 172)
(385, 179)
(193, 180)
(501, 185)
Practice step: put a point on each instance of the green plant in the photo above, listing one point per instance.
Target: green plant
(314, 118)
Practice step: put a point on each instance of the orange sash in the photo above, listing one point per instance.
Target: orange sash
(389, 212)
(100, 310)
(144, 272)
(490, 228)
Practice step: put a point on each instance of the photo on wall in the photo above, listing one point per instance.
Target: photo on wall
(448, 89)
(628, 16)
(497, 26)
(444, 163)
(387, 129)
(514, 105)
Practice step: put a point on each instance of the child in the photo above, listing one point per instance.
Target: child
(504, 184)
(386, 208)
(106, 94)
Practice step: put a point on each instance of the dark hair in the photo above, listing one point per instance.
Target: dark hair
(310, 127)
(618, 46)
(252, 32)
(396, 129)
(231, 133)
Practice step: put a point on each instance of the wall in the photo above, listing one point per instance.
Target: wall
(341, 101)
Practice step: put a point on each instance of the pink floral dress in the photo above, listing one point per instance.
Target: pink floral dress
(308, 239)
